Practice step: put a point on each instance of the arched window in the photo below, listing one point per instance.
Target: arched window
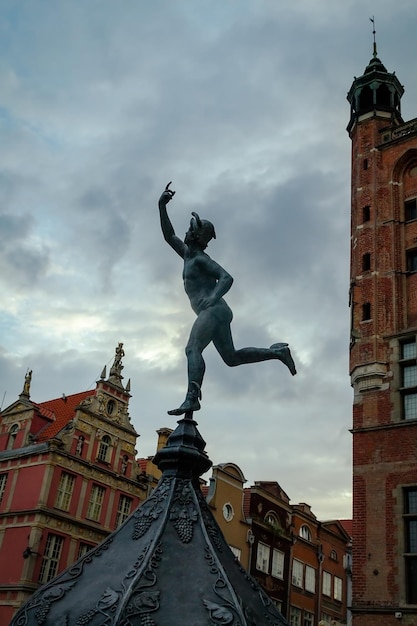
(305, 532)
(12, 436)
(333, 555)
(103, 449)
(271, 519)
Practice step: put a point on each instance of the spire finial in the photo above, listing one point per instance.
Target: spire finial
(372, 19)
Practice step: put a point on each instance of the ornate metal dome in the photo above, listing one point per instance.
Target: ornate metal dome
(167, 564)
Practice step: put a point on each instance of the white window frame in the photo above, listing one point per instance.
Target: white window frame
(305, 532)
(308, 619)
(103, 449)
(51, 557)
(64, 492)
(297, 573)
(327, 584)
(278, 562)
(263, 554)
(3, 482)
(95, 503)
(310, 579)
(236, 551)
(295, 616)
(123, 510)
(83, 548)
(337, 588)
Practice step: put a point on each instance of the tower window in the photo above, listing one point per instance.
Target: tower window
(366, 311)
(409, 379)
(410, 532)
(365, 164)
(412, 261)
(410, 209)
(366, 213)
(366, 262)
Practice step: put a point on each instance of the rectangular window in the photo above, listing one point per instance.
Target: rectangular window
(236, 551)
(123, 510)
(366, 311)
(310, 581)
(297, 573)
(366, 213)
(410, 406)
(410, 209)
(308, 619)
(262, 557)
(410, 524)
(278, 559)
(338, 589)
(412, 261)
(366, 262)
(409, 379)
(51, 556)
(3, 480)
(326, 619)
(64, 493)
(96, 502)
(409, 350)
(327, 584)
(295, 616)
(83, 548)
(410, 376)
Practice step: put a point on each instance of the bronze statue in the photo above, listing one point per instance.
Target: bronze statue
(205, 283)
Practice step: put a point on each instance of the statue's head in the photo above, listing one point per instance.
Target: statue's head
(200, 231)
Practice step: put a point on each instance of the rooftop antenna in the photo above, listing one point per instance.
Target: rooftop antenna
(372, 19)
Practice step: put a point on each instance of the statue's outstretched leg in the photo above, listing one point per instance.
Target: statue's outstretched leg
(191, 402)
(283, 353)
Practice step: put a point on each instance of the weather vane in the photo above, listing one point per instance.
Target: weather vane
(205, 283)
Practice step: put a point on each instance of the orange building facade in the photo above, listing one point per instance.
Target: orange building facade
(383, 350)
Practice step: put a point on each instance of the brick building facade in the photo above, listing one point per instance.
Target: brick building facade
(383, 350)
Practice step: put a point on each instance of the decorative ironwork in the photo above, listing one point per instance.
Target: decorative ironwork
(151, 509)
(183, 511)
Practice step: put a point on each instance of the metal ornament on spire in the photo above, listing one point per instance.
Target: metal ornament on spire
(372, 19)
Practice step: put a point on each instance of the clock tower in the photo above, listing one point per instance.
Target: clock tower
(383, 349)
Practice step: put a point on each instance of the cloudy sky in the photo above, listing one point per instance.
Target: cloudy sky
(242, 104)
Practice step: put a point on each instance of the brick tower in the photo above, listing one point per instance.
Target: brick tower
(383, 350)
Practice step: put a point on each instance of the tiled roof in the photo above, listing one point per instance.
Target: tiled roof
(60, 411)
(143, 464)
(347, 525)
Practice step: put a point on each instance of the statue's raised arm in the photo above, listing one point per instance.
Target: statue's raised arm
(167, 228)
